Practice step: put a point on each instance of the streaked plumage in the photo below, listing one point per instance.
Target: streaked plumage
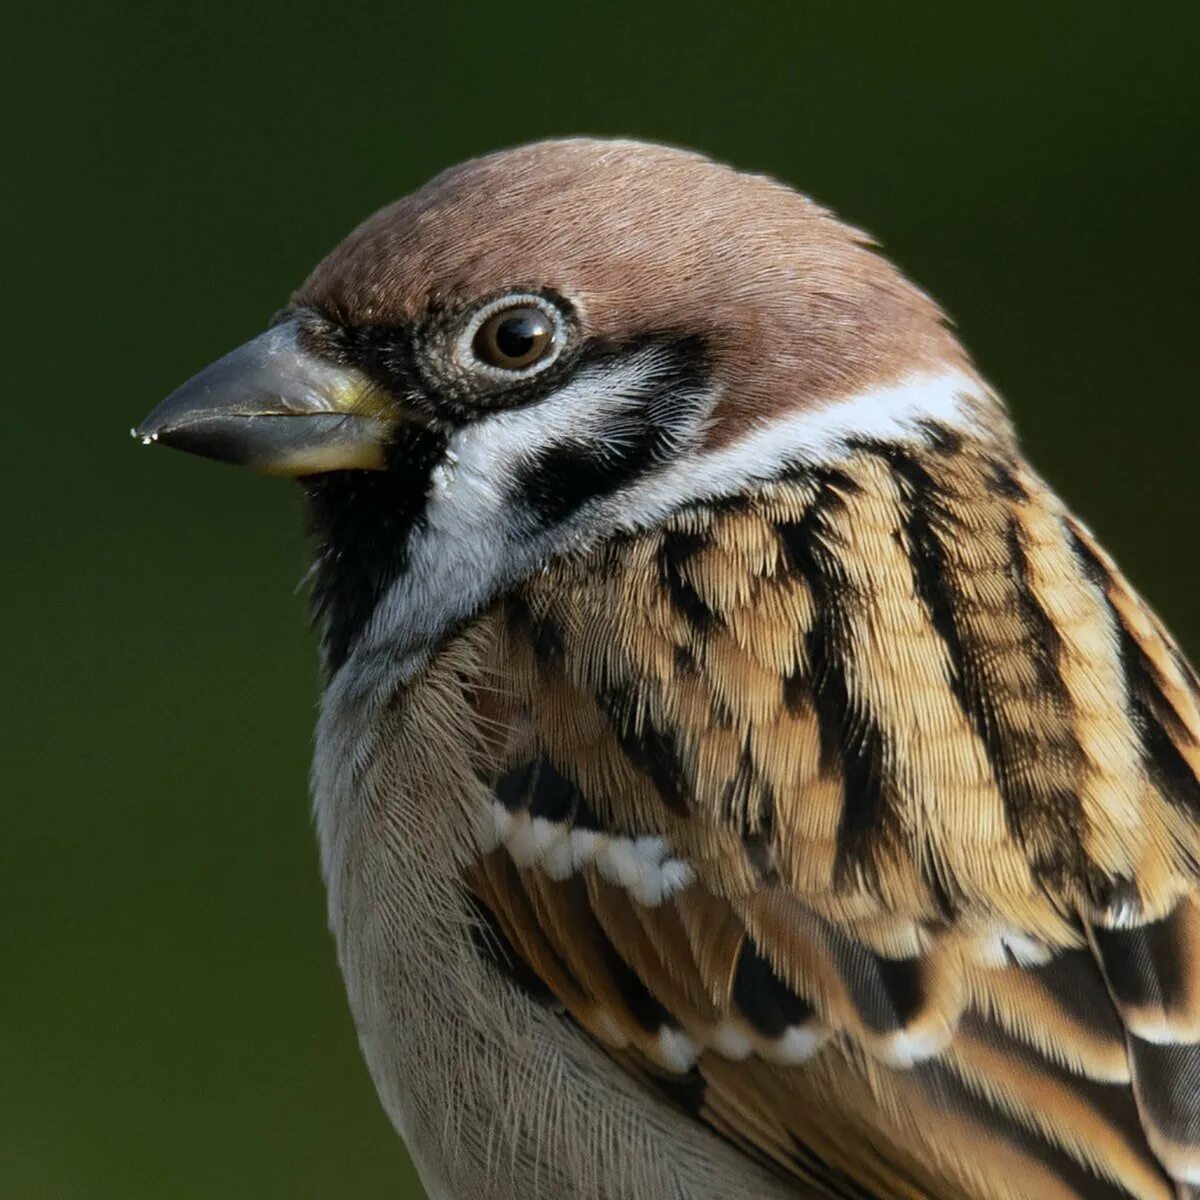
(738, 773)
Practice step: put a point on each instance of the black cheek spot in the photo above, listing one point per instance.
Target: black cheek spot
(563, 479)
(660, 412)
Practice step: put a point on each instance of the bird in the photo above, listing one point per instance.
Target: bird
(737, 773)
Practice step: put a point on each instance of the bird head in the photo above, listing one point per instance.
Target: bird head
(553, 345)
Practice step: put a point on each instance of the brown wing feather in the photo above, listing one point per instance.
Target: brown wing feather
(859, 816)
(1150, 951)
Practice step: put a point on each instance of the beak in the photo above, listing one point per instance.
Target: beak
(273, 406)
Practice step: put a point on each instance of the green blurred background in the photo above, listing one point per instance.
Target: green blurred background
(171, 1020)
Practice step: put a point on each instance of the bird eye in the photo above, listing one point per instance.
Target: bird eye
(514, 338)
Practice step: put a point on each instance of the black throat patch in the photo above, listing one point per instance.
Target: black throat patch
(363, 521)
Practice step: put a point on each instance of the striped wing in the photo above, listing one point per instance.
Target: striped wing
(859, 817)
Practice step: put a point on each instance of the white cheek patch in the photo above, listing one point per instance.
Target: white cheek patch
(476, 538)
(473, 538)
(818, 437)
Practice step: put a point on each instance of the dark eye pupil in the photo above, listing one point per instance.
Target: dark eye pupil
(515, 338)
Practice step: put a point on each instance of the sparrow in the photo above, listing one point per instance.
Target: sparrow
(737, 773)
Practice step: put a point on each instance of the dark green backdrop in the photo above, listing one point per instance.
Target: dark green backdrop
(171, 1021)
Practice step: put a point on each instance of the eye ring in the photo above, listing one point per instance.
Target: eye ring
(513, 337)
